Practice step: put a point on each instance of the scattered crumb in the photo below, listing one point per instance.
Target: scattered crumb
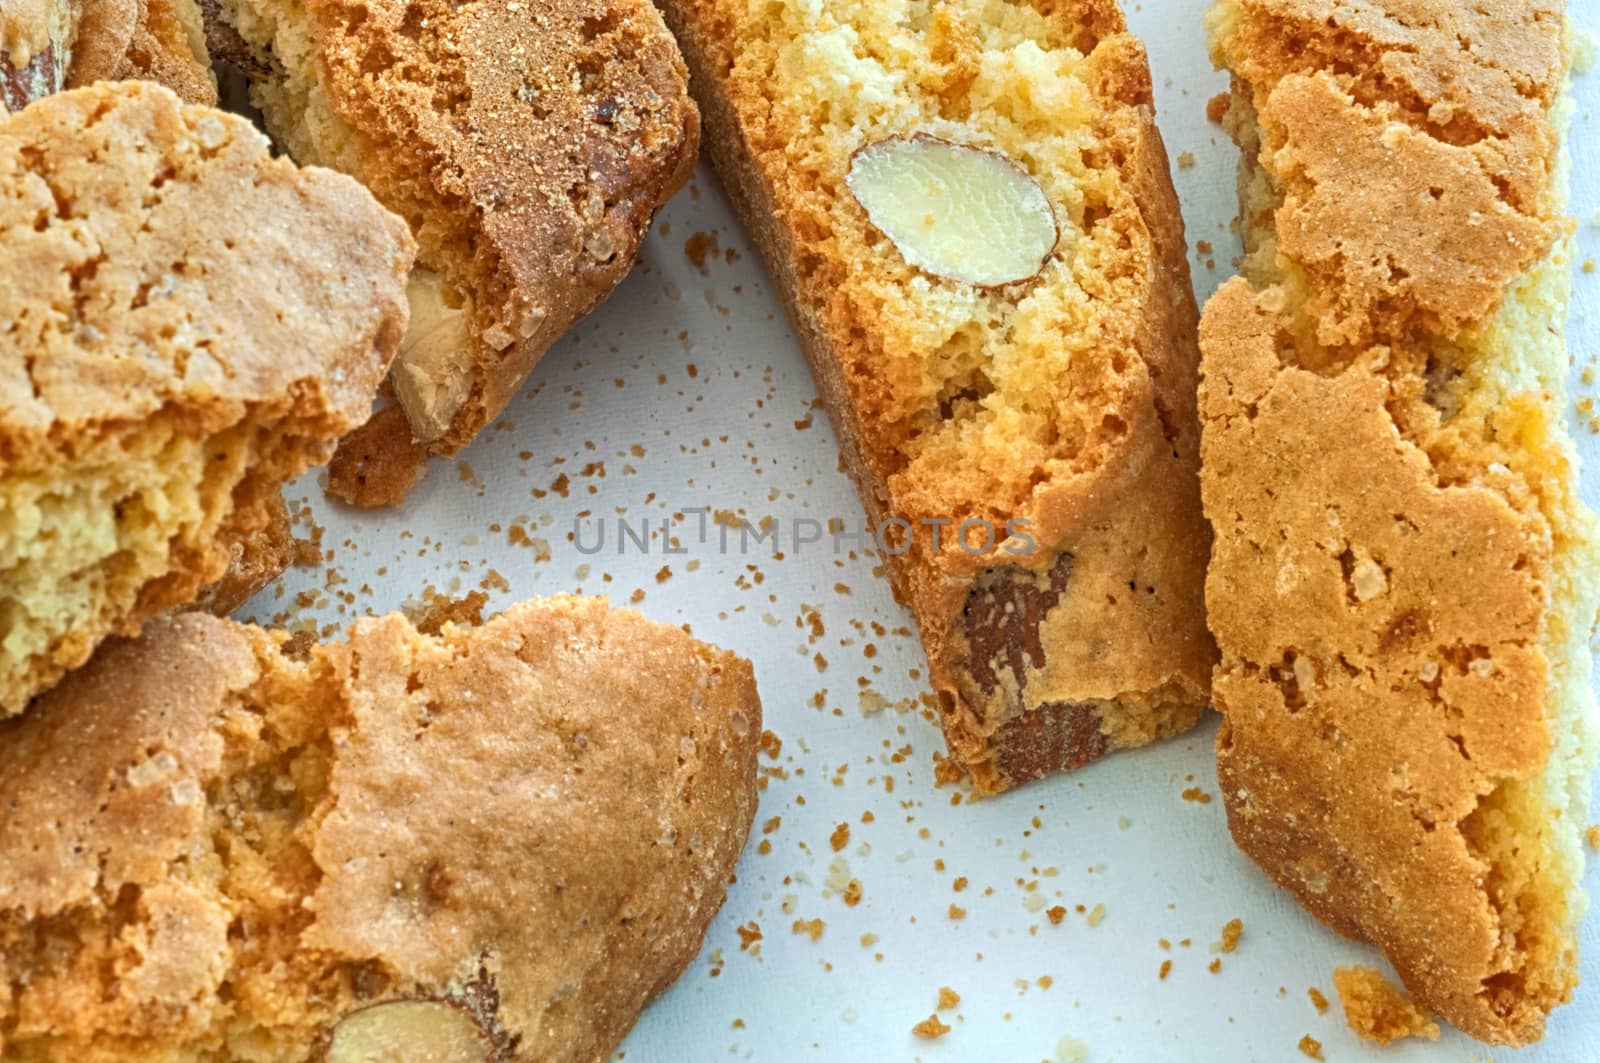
(1097, 913)
(1318, 1001)
(1166, 969)
(957, 912)
(1215, 966)
(1197, 796)
(1377, 1010)
(466, 610)
(1056, 914)
(1230, 936)
(1592, 836)
(813, 927)
(840, 837)
(930, 1028)
(948, 998)
(1217, 107)
(1311, 1047)
(1186, 161)
(698, 247)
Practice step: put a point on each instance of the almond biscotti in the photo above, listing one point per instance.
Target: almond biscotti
(496, 843)
(185, 324)
(1404, 579)
(968, 211)
(528, 145)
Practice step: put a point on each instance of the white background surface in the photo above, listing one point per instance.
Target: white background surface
(687, 389)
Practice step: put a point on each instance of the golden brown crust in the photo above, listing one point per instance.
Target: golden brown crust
(1403, 578)
(260, 544)
(535, 818)
(377, 463)
(529, 153)
(1104, 472)
(168, 47)
(138, 404)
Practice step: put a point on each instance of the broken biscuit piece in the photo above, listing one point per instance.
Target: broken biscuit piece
(185, 324)
(498, 843)
(529, 150)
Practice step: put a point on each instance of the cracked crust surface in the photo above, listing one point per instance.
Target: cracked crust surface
(188, 324)
(534, 819)
(1066, 402)
(1404, 579)
(528, 147)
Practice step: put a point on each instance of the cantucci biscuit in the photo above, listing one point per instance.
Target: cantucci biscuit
(528, 145)
(968, 211)
(496, 843)
(1404, 579)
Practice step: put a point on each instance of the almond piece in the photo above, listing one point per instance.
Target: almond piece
(967, 214)
(430, 377)
(409, 1031)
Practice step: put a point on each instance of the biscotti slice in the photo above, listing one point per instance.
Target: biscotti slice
(185, 324)
(528, 145)
(968, 211)
(496, 843)
(48, 45)
(1404, 579)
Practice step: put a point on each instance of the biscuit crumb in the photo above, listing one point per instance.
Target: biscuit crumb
(1166, 969)
(957, 912)
(1311, 1047)
(1096, 914)
(812, 927)
(1231, 930)
(1055, 915)
(1217, 108)
(948, 998)
(840, 837)
(1592, 836)
(1186, 161)
(930, 1029)
(1378, 1011)
(1318, 1001)
(698, 247)
(466, 611)
(1195, 795)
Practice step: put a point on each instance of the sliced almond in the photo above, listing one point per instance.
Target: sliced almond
(967, 214)
(432, 372)
(409, 1031)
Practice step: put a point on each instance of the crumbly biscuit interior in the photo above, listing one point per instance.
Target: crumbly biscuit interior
(250, 853)
(977, 395)
(124, 525)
